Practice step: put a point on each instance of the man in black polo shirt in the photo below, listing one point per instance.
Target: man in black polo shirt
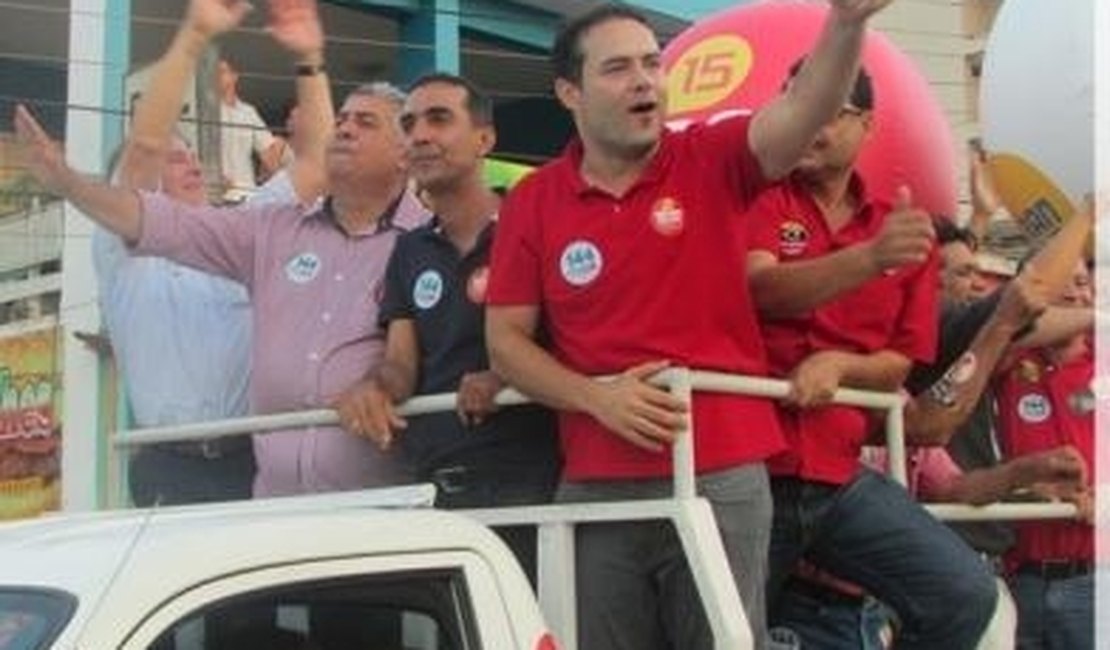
(953, 404)
(433, 313)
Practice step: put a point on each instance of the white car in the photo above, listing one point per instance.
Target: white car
(315, 573)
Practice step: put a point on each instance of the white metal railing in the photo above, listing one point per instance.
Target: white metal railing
(692, 516)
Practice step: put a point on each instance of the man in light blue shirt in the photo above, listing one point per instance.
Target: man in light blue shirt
(182, 337)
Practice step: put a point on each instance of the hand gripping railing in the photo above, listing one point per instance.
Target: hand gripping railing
(692, 516)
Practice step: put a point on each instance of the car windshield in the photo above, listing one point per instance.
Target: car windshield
(31, 618)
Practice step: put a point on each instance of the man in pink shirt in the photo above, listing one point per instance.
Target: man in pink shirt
(313, 269)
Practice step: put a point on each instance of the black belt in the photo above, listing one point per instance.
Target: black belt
(1056, 569)
(457, 478)
(213, 449)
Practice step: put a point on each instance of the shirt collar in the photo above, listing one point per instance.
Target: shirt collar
(571, 162)
(433, 230)
(857, 189)
(326, 213)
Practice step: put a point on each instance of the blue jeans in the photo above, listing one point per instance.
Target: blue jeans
(872, 532)
(821, 618)
(1054, 614)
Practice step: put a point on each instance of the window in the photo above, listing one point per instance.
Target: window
(30, 619)
(411, 610)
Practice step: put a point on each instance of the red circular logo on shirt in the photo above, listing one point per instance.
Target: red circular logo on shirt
(793, 237)
(667, 217)
(476, 285)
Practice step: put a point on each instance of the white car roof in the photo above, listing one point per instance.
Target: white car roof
(161, 552)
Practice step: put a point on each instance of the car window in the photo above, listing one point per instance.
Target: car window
(31, 618)
(411, 610)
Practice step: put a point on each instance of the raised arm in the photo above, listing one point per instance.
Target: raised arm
(157, 112)
(781, 131)
(932, 417)
(1056, 325)
(295, 24)
(984, 197)
(117, 209)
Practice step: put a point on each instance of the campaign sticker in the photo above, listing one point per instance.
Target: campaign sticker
(668, 217)
(793, 237)
(1034, 408)
(580, 263)
(476, 285)
(303, 268)
(428, 289)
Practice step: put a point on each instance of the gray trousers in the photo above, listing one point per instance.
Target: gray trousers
(635, 589)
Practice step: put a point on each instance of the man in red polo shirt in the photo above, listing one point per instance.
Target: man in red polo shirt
(1045, 399)
(624, 250)
(846, 291)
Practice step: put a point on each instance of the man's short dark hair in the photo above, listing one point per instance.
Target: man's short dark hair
(478, 103)
(949, 233)
(863, 92)
(567, 56)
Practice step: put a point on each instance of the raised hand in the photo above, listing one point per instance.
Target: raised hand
(906, 238)
(368, 411)
(644, 415)
(476, 393)
(1023, 299)
(45, 159)
(984, 197)
(210, 18)
(295, 24)
(857, 10)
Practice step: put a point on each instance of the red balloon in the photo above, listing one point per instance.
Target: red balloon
(738, 59)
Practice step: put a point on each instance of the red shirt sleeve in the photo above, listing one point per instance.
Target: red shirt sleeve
(516, 272)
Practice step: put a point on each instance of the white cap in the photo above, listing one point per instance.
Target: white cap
(995, 264)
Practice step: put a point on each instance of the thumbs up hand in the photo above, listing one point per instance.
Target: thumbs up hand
(906, 238)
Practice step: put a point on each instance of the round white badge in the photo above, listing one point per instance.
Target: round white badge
(1034, 408)
(303, 268)
(580, 263)
(428, 289)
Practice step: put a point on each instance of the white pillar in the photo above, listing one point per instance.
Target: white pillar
(98, 52)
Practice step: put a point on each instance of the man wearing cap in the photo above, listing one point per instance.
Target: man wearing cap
(845, 286)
